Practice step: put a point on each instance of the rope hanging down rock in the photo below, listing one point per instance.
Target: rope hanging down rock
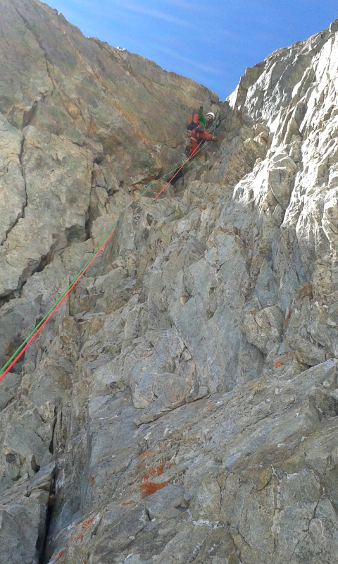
(22, 348)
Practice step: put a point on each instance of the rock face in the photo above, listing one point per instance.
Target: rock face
(181, 406)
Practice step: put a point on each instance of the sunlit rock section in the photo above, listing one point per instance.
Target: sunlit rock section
(181, 406)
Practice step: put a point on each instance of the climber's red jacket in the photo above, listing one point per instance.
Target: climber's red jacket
(196, 126)
(196, 137)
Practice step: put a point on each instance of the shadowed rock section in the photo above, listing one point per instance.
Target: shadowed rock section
(181, 405)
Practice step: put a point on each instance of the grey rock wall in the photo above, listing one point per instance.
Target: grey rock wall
(181, 405)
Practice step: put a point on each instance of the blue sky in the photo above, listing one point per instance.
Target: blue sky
(210, 41)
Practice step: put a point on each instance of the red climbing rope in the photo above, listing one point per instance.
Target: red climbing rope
(178, 170)
(35, 334)
(38, 328)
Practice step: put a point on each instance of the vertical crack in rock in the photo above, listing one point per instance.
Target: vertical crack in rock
(36, 37)
(51, 445)
(306, 531)
(25, 203)
(23, 176)
(43, 556)
(49, 73)
(91, 215)
(52, 498)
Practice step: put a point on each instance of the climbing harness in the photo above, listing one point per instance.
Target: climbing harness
(19, 352)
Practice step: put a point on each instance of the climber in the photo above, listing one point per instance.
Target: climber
(196, 131)
(196, 127)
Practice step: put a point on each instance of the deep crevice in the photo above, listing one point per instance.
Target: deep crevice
(51, 445)
(5, 299)
(42, 540)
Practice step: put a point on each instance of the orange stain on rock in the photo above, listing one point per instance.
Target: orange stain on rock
(288, 317)
(151, 487)
(158, 471)
(160, 468)
(127, 503)
(209, 403)
(172, 464)
(79, 538)
(279, 363)
(146, 475)
(145, 454)
(86, 524)
(91, 480)
(59, 556)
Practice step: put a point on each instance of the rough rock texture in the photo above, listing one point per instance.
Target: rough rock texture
(182, 404)
(79, 120)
